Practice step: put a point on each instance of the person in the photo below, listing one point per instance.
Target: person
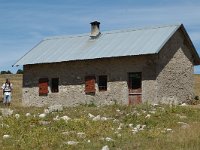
(7, 92)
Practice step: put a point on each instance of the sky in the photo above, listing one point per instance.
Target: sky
(24, 23)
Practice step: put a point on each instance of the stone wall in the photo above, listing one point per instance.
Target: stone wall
(72, 81)
(167, 77)
(175, 71)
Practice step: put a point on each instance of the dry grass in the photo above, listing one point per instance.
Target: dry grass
(197, 84)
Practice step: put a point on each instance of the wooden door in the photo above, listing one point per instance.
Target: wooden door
(135, 87)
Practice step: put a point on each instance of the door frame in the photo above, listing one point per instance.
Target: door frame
(134, 95)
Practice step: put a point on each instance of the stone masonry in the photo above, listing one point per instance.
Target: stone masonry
(166, 78)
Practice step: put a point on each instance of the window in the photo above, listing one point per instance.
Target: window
(134, 80)
(102, 83)
(43, 86)
(54, 85)
(90, 84)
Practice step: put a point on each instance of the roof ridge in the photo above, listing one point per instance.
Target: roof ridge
(110, 32)
(141, 28)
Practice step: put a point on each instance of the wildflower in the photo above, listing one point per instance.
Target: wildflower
(17, 116)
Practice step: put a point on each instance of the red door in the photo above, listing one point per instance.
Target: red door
(135, 87)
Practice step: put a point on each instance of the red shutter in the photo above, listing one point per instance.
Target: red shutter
(43, 86)
(90, 84)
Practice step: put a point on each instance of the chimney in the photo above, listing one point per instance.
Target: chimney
(95, 29)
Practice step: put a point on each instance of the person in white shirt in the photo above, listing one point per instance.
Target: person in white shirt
(7, 92)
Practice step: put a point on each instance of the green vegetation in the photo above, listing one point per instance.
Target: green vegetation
(119, 127)
(6, 72)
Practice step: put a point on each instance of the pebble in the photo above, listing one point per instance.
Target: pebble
(148, 116)
(98, 117)
(105, 147)
(42, 115)
(28, 114)
(71, 143)
(6, 136)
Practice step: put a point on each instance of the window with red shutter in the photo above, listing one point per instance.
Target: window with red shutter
(90, 84)
(43, 86)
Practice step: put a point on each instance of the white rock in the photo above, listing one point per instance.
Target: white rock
(5, 125)
(144, 112)
(46, 111)
(90, 115)
(152, 112)
(115, 120)
(28, 114)
(184, 125)
(184, 104)
(98, 117)
(66, 118)
(108, 139)
(120, 126)
(143, 126)
(6, 136)
(71, 143)
(130, 125)
(138, 126)
(138, 114)
(66, 133)
(183, 117)
(17, 116)
(42, 115)
(44, 122)
(104, 118)
(147, 116)
(55, 108)
(6, 112)
(168, 129)
(155, 104)
(81, 135)
(56, 118)
(105, 147)
(118, 110)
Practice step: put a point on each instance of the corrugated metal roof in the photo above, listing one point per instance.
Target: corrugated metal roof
(109, 44)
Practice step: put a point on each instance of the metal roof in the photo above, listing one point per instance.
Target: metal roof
(117, 43)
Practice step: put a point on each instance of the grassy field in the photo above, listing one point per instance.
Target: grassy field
(90, 127)
(118, 127)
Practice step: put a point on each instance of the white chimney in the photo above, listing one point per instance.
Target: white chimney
(95, 29)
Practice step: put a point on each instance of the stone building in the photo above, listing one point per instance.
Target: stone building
(123, 66)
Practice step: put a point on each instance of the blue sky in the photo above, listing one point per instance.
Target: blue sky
(25, 23)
